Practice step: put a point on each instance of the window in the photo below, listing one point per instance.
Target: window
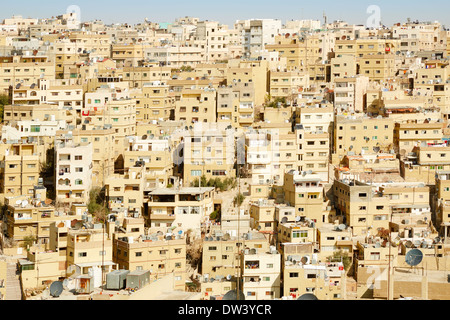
(82, 254)
(375, 256)
(138, 254)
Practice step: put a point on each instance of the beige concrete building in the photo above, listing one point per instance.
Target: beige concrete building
(423, 162)
(155, 103)
(250, 71)
(362, 134)
(161, 255)
(103, 150)
(19, 170)
(343, 67)
(31, 216)
(377, 67)
(129, 55)
(349, 93)
(313, 152)
(315, 117)
(138, 76)
(18, 70)
(296, 232)
(59, 92)
(180, 208)
(196, 106)
(216, 289)
(287, 84)
(90, 252)
(440, 202)
(331, 239)
(261, 274)
(155, 156)
(262, 215)
(322, 280)
(235, 105)
(360, 207)
(209, 150)
(125, 192)
(299, 53)
(175, 56)
(304, 191)
(413, 134)
(224, 257)
(41, 112)
(3, 275)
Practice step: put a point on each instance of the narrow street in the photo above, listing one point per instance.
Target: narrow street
(13, 291)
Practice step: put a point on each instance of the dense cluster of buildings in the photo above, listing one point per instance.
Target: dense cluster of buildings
(277, 159)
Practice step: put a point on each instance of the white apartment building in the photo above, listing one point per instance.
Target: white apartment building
(259, 33)
(73, 173)
(261, 274)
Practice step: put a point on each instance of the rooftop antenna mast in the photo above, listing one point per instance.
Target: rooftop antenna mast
(239, 222)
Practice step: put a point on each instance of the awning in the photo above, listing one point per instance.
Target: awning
(96, 264)
(344, 243)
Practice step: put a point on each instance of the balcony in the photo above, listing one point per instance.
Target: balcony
(156, 216)
(246, 119)
(21, 216)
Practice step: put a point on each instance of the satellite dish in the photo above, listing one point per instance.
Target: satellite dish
(307, 296)
(229, 277)
(409, 244)
(78, 225)
(56, 288)
(65, 283)
(414, 257)
(297, 219)
(232, 295)
(226, 236)
(305, 260)
(284, 220)
(342, 227)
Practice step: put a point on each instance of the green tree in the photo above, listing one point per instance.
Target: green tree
(97, 204)
(47, 172)
(341, 256)
(28, 242)
(239, 199)
(4, 100)
(215, 215)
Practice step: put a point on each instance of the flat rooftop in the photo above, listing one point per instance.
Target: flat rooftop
(189, 190)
